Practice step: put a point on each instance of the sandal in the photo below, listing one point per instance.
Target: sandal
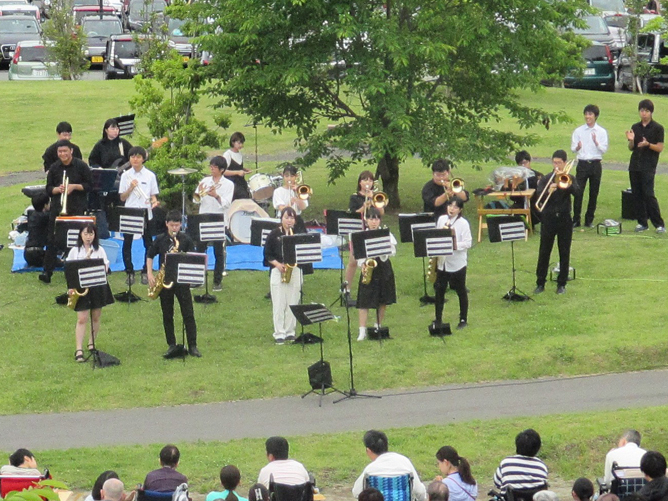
(78, 356)
(91, 346)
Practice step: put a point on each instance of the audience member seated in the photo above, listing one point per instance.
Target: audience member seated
(166, 479)
(456, 475)
(258, 492)
(96, 493)
(21, 464)
(371, 494)
(38, 230)
(653, 465)
(387, 464)
(280, 468)
(583, 490)
(545, 496)
(230, 477)
(438, 491)
(627, 454)
(112, 490)
(523, 471)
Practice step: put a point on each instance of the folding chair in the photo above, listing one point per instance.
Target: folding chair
(284, 492)
(16, 483)
(397, 488)
(143, 495)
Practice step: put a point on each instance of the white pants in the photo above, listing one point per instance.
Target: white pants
(282, 296)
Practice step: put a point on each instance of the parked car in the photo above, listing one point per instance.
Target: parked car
(121, 57)
(30, 62)
(651, 48)
(140, 12)
(178, 40)
(98, 30)
(597, 31)
(19, 7)
(14, 29)
(599, 73)
(609, 7)
(90, 10)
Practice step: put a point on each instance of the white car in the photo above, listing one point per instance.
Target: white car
(18, 7)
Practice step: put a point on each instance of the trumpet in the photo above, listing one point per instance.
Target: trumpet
(137, 189)
(286, 276)
(367, 274)
(563, 181)
(63, 196)
(200, 194)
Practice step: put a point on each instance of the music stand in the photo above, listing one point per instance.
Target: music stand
(343, 223)
(83, 274)
(133, 221)
(67, 230)
(508, 229)
(126, 124)
(408, 224)
(433, 243)
(185, 268)
(260, 228)
(207, 228)
(103, 182)
(321, 382)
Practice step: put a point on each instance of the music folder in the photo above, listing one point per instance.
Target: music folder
(185, 268)
(206, 227)
(130, 220)
(409, 223)
(260, 228)
(434, 242)
(343, 223)
(85, 273)
(303, 248)
(505, 228)
(68, 228)
(371, 243)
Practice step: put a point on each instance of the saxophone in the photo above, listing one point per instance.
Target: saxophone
(286, 276)
(154, 292)
(367, 274)
(431, 269)
(73, 298)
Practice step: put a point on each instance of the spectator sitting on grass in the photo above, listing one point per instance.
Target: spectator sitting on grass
(166, 479)
(230, 477)
(523, 471)
(283, 470)
(21, 464)
(583, 490)
(438, 491)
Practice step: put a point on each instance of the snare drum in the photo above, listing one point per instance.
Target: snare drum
(240, 215)
(261, 186)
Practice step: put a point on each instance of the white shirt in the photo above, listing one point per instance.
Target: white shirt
(230, 155)
(224, 189)
(463, 241)
(589, 150)
(77, 253)
(284, 471)
(629, 455)
(392, 464)
(393, 252)
(148, 183)
(282, 196)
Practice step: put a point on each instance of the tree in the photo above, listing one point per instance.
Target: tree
(396, 77)
(65, 41)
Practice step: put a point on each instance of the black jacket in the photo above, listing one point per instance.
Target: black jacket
(106, 152)
(51, 155)
(655, 490)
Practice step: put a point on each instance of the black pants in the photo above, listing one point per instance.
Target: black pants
(34, 256)
(457, 281)
(219, 266)
(587, 171)
(127, 251)
(558, 225)
(182, 293)
(646, 205)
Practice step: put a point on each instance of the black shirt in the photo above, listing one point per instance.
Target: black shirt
(38, 229)
(430, 192)
(645, 159)
(106, 152)
(356, 202)
(560, 201)
(164, 243)
(77, 173)
(273, 251)
(51, 155)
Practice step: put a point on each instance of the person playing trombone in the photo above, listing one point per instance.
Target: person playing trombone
(555, 191)
(287, 196)
(138, 188)
(437, 191)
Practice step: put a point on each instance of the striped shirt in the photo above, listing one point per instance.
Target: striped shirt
(520, 472)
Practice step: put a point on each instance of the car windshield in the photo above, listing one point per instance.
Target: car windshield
(174, 28)
(609, 5)
(595, 53)
(597, 26)
(13, 2)
(126, 50)
(102, 28)
(27, 25)
(137, 8)
(80, 3)
(32, 54)
(17, 11)
(617, 21)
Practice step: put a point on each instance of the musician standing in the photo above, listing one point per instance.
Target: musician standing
(556, 222)
(174, 240)
(589, 142)
(215, 195)
(111, 150)
(235, 171)
(286, 196)
(437, 191)
(138, 189)
(381, 290)
(79, 182)
(452, 269)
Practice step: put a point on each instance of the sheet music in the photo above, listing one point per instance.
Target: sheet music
(263, 239)
(379, 246)
(131, 224)
(308, 253)
(421, 226)
(72, 237)
(512, 231)
(440, 246)
(348, 226)
(188, 273)
(320, 315)
(214, 230)
(92, 276)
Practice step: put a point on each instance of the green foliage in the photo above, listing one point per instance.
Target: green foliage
(66, 42)
(44, 489)
(152, 39)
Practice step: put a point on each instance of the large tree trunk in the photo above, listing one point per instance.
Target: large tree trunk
(388, 172)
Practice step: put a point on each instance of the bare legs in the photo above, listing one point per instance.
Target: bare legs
(82, 322)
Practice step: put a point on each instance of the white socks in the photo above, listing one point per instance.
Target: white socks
(362, 334)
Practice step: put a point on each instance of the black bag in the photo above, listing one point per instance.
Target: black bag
(106, 360)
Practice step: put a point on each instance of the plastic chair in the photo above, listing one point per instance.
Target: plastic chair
(16, 483)
(397, 488)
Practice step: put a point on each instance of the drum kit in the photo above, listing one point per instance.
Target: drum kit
(241, 212)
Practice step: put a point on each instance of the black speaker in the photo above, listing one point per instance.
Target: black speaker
(628, 208)
(378, 333)
(320, 375)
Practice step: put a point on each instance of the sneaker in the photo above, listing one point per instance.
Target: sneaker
(290, 338)
(217, 287)
(661, 229)
(280, 340)
(130, 280)
(561, 289)
(144, 278)
(45, 277)
(462, 324)
(194, 352)
(640, 227)
(539, 289)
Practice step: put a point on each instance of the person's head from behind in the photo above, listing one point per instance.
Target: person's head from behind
(591, 113)
(173, 223)
(583, 489)
(23, 458)
(365, 181)
(40, 202)
(449, 461)
(370, 494)
(440, 171)
(375, 442)
(64, 130)
(630, 437)
(110, 130)
(609, 496)
(88, 236)
(277, 448)
(559, 159)
(112, 490)
(230, 477)
(527, 443)
(170, 455)
(97, 487)
(217, 165)
(653, 464)
(437, 491)
(259, 492)
(523, 159)
(545, 496)
(237, 141)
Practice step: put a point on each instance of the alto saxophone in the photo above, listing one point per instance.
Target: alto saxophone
(286, 276)
(154, 292)
(73, 298)
(431, 270)
(367, 274)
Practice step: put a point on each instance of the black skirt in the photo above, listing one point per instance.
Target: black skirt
(381, 290)
(97, 297)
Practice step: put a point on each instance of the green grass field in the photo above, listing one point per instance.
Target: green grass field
(612, 318)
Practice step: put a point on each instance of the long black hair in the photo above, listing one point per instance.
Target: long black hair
(96, 239)
(230, 476)
(109, 123)
(97, 488)
(450, 454)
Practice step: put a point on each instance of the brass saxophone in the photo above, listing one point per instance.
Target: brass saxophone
(286, 276)
(73, 298)
(431, 270)
(154, 292)
(369, 265)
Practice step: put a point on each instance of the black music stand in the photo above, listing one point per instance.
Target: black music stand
(343, 223)
(185, 268)
(508, 229)
(207, 228)
(320, 373)
(434, 243)
(260, 228)
(102, 183)
(83, 274)
(126, 124)
(66, 232)
(408, 224)
(134, 221)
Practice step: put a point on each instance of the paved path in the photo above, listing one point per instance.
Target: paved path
(247, 419)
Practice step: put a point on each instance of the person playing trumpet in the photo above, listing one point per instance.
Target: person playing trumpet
(287, 196)
(556, 222)
(437, 191)
(138, 188)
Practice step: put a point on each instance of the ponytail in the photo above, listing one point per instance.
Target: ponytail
(465, 471)
(231, 496)
(463, 467)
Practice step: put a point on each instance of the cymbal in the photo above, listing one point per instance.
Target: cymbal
(181, 171)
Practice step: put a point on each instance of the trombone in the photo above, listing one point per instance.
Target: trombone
(63, 196)
(563, 181)
(456, 186)
(303, 191)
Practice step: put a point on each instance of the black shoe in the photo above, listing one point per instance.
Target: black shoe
(350, 302)
(194, 352)
(217, 287)
(267, 295)
(175, 350)
(539, 289)
(45, 277)
(462, 324)
(576, 224)
(561, 289)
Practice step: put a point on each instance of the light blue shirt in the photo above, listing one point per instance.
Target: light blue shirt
(459, 491)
